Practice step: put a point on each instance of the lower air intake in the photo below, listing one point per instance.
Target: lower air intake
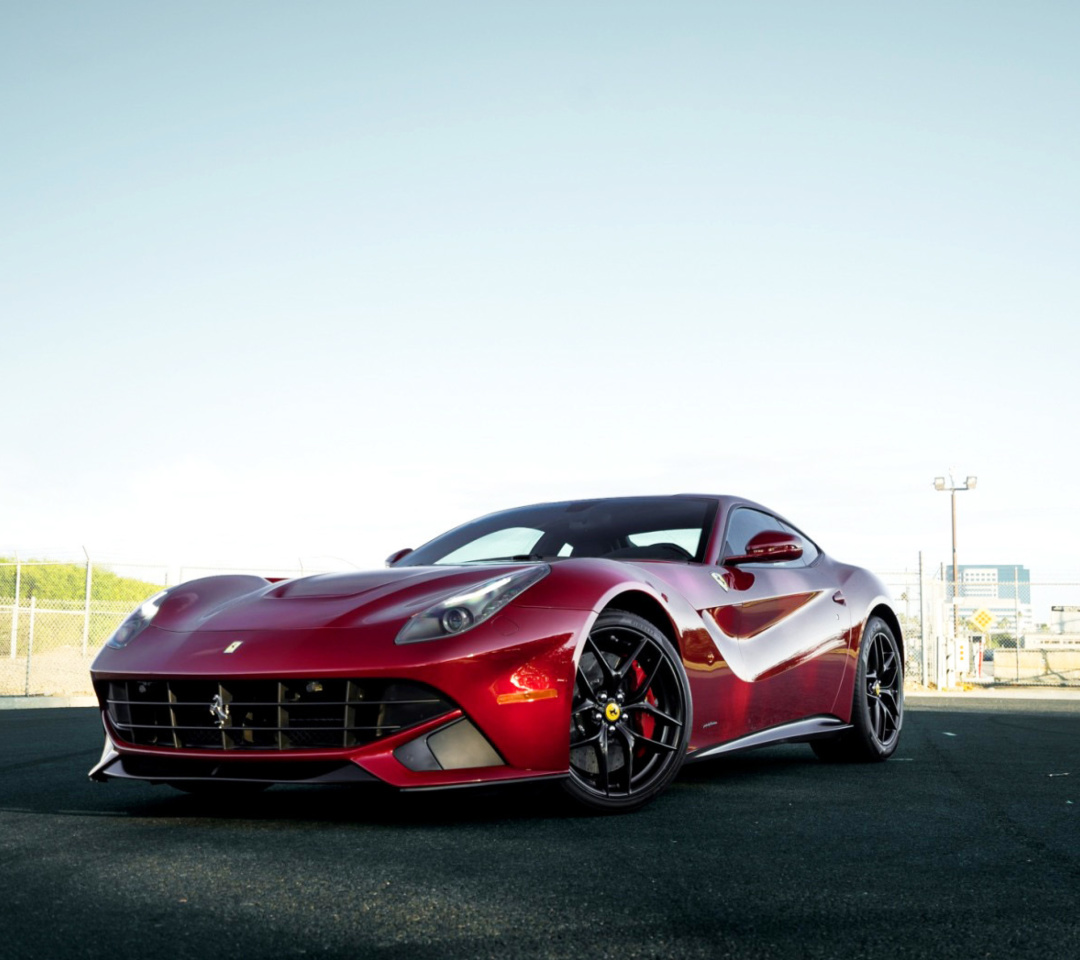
(265, 714)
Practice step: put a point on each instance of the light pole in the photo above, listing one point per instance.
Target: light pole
(969, 484)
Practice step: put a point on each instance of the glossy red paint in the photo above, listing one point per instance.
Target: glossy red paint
(763, 643)
(769, 546)
(744, 621)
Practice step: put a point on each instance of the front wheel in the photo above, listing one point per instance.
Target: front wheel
(877, 711)
(631, 715)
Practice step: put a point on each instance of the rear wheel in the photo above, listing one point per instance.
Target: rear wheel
(877, 711)
(631, 715)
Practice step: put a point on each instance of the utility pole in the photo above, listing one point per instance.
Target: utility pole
(969, 484)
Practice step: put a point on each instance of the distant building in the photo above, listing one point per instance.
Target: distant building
(1065, 619)
(1004, 590)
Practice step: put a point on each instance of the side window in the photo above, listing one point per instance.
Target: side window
(687, 539)
(742, 525)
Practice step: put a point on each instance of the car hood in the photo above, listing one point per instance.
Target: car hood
(336, 600)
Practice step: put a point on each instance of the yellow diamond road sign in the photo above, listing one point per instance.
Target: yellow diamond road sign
(982, 618)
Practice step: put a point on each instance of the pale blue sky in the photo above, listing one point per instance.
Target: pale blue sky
(284, 279)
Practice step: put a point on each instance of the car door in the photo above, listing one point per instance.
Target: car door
(789, 620)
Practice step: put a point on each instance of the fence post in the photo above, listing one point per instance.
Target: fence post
(15, 609)
(86, 611)
(1016, 608)
(30, 646)
(922, 624)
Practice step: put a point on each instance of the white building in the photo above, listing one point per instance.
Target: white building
(1004, 590)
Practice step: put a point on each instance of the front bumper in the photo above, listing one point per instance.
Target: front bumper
(506, 686)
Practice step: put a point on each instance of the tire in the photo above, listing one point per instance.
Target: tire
(877, 710)
(631, 715)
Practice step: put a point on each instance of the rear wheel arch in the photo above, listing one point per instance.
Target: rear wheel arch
(877, 709)
(887, 614)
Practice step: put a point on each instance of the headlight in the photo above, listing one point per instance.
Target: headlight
(136, 622)
(463, 611)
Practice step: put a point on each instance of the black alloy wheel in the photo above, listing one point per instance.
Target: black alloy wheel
(631, 715)
(877, 711)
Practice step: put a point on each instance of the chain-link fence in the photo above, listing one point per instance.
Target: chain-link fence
(66, 611)
(55, 615)
(1000, 631)
(48, 645)
(919, 602)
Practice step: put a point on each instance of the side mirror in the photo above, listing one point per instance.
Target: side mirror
(398, 555)
(769, 546)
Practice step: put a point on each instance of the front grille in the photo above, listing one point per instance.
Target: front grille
(265, 714)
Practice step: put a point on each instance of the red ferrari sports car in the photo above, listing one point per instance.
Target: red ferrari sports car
(599, 642)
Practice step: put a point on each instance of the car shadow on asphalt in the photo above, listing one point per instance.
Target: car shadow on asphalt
(375, 805)
(765, 761)
(366, 804)
(55, 785)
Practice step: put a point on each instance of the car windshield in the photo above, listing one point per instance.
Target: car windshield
(629, 528)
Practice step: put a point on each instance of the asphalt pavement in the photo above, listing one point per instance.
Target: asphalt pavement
(966, 844)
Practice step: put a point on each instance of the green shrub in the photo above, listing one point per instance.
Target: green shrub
(67, 581)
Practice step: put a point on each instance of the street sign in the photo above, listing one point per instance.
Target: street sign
(982, 618)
